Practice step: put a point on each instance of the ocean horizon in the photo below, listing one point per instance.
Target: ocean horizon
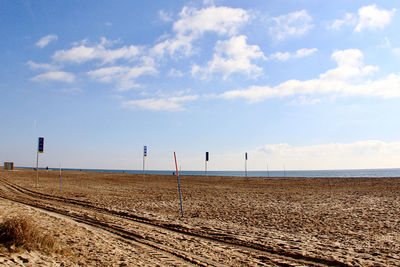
(389, 172)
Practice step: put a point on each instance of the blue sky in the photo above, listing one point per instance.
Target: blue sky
(307, 84)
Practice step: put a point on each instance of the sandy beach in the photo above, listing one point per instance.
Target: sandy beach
(112, 219)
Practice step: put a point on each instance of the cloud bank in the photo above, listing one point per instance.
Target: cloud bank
(347, 79)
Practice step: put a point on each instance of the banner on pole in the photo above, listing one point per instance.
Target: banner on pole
(206, 156)
(245, 155)
(145, 151)
(41, 145)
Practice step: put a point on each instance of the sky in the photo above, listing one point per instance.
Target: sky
(300, 85)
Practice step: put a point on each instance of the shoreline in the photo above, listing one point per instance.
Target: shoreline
(351, 173)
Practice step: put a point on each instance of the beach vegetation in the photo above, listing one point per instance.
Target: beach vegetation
(21, 233)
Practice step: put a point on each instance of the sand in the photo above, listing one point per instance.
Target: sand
(115, 219)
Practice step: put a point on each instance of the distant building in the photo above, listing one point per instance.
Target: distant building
(9, 166)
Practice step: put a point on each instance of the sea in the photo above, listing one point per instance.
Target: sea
(395, 172)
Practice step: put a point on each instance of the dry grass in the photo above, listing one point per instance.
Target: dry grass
(19, 233)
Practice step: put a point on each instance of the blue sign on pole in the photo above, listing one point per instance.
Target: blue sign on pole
(41, 145)
(145, 151)
(245, 155)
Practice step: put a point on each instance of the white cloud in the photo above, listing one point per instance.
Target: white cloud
(347, 79)
(359, 154)
(44, 41)
(395, 50)
(364, 154)
(40, 66)
(371, 17)
(136, 63)
(356, 148)
(123, 76)
(160, 104)
(293, 24)
(55, 76)
(222, 20)
(350, 66)
(367, 17)
(164, 16)
(305, 52)
(175, 73)
(233, 55)
(349, 19)
(83, 53)
(303, 100)
(284, 56)
(193, 23)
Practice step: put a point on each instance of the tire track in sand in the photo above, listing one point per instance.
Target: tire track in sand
(220, 241)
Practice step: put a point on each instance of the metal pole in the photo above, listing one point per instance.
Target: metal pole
(206, 163)
(179, 184)
(34, 134)
(245, 167)
(60, 178)
(144, 159)
(245, 164)
(37, 168)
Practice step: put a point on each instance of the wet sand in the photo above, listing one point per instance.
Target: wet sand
(118, 219)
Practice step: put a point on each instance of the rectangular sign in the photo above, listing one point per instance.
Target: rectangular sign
(41, 145)
(206, 156)
(245, 155)
(145, 151)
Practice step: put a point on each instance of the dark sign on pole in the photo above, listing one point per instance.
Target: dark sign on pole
(206, 156)
(145, 151)
(245, 155)
(41, 145)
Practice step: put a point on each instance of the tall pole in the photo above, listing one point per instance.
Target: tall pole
(206, 162)
(179, 184)
(284, 170)
(34, 134)
(245, 164)
(60, 178)
(39, 150)
(144, 158)
(37, 168)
